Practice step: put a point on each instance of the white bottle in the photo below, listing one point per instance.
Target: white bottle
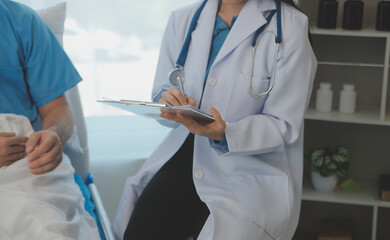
(324, 98)
(348, 99)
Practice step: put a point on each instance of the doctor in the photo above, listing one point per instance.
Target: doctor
(240, 177)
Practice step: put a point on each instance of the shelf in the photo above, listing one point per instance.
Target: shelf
(367, 31)
(367, 197)
(362, 116)
(351, 64)
(360, 57)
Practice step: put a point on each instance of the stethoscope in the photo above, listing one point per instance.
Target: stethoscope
(176, 76)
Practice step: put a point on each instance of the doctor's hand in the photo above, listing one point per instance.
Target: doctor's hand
(214, 130)
(175, 98)
(11, 148)
(44, 151)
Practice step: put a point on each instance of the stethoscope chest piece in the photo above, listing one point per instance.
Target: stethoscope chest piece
(175, 75)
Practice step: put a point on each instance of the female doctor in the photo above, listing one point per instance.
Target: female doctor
(250, 64)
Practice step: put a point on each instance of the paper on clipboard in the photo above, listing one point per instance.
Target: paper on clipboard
(153, 110)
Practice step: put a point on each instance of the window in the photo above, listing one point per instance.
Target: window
(114, 44)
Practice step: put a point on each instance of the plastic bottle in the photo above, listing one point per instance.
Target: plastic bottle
(324, 98)
(327, 13)
(348, 99)
(383, 16)
(353, 14)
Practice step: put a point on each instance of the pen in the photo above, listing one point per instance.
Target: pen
(181, 87)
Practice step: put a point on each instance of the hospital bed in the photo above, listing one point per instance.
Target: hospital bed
(77, 146)
(80, 161)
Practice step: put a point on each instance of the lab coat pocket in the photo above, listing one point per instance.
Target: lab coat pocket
(265, 200)
(241, 100)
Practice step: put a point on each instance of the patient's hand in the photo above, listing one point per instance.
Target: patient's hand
(11, 148)
(44, 151)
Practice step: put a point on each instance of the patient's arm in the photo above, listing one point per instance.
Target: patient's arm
(11, 148)
(44, 148)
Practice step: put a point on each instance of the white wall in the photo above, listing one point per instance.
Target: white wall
(110, 177)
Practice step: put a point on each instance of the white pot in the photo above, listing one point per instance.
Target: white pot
(323, 184)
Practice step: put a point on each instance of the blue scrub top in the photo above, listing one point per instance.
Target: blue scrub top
(34, 69)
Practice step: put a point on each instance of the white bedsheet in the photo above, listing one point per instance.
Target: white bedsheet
(48, 206)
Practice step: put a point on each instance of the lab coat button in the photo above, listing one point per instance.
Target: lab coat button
(198, 174)
(209, 200)
(212, 81)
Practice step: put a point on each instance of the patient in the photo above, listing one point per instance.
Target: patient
(45, 206)
(35, 73)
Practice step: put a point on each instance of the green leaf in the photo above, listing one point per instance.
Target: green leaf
(351, 185)
(327, 162)
(341, 155)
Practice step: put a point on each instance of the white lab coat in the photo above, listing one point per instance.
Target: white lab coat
(254, 191)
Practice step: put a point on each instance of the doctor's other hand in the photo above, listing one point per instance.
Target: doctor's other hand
(174, 97)
(11, 148)
(214, 130)
(44, 151)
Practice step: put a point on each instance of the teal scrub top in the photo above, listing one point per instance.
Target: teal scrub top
(221, 31)
(34, 69)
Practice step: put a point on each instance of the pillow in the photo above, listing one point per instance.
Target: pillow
(54, 17)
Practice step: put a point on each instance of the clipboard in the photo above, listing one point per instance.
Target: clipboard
(153, 110)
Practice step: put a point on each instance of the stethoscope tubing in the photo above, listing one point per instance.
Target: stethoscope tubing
(256, 94)
(181, 60)
(179, 66)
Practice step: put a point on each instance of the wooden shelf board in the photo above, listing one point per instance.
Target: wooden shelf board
(362, 116)
(349, 64)
(367, 31)
(367, 197)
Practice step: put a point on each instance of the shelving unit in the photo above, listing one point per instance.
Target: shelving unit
(360, 57)
(368, 197)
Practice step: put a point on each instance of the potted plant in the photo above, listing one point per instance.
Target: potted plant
(327, 166)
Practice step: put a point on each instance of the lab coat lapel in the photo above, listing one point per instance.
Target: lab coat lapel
(249, 20)
(200, 45)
